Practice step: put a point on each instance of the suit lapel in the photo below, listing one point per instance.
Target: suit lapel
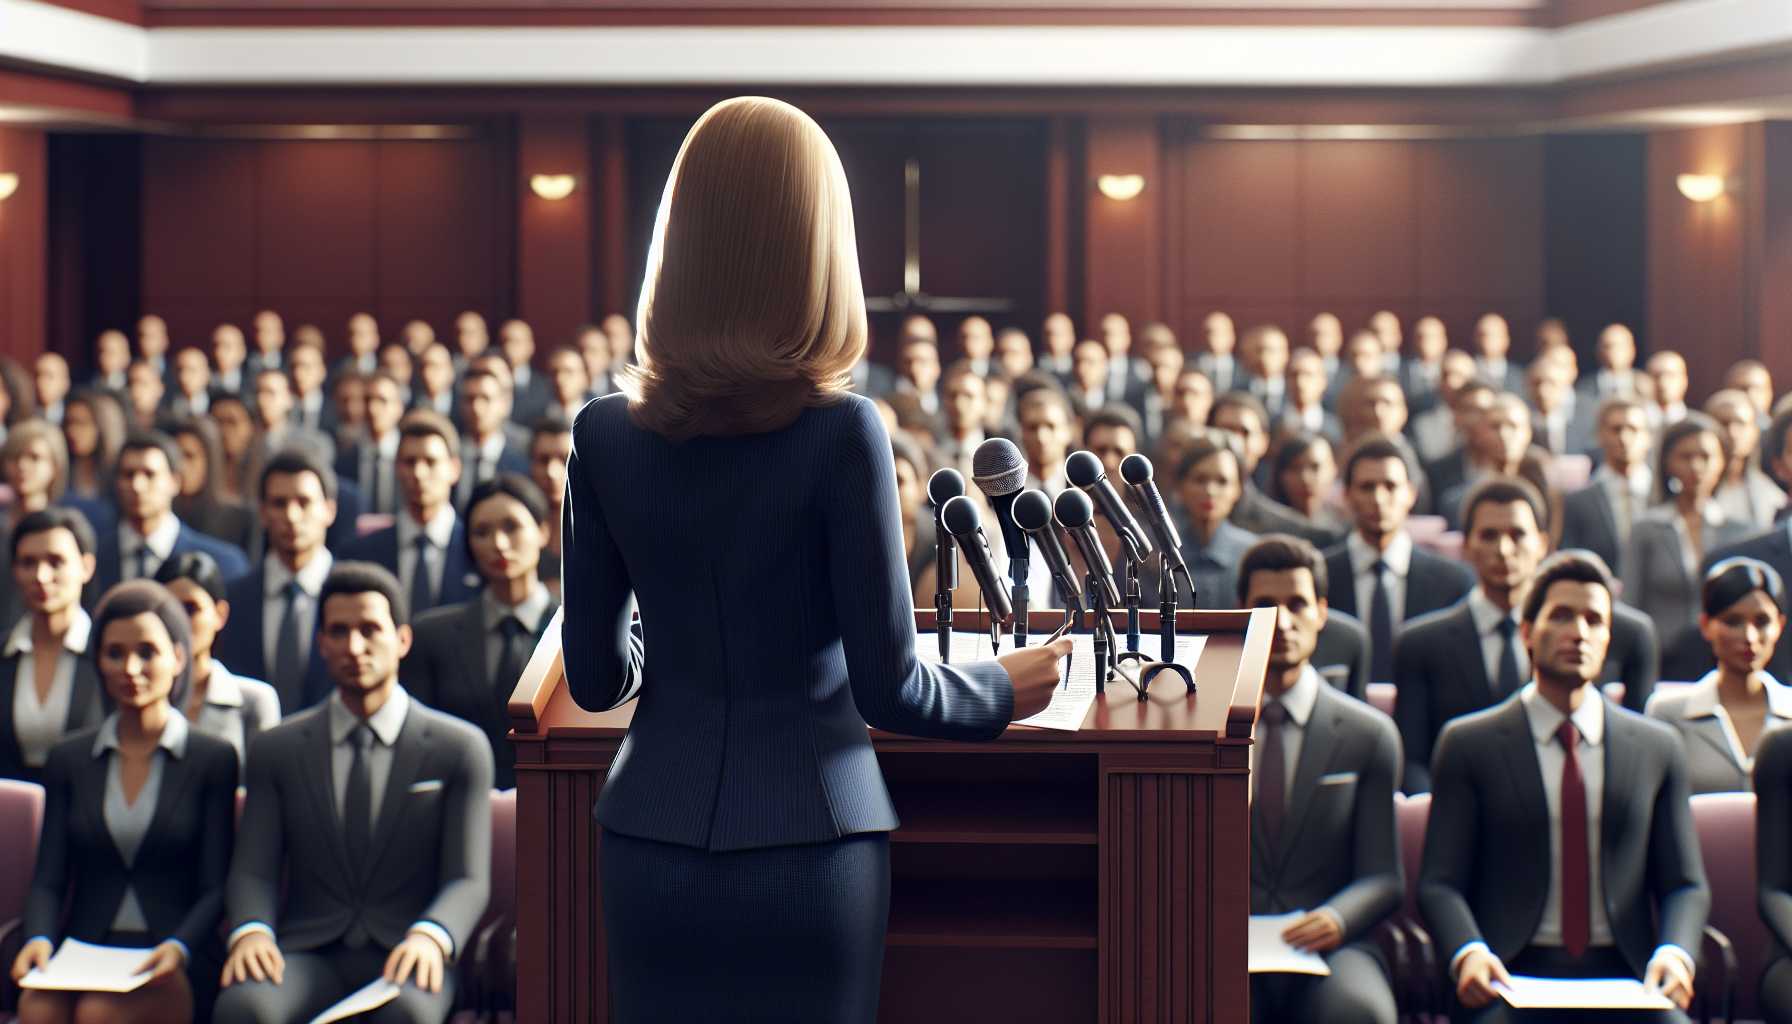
(407, 758)
(473, 641)
(1316, 743)
(1711, 731)
(1621, 763)
(177, 777)
(1468, 647)
(1607, 514)
(1518, 747)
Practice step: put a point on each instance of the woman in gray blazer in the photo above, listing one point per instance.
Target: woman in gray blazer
(1724, 716)
(223, 704)
(1668, 542)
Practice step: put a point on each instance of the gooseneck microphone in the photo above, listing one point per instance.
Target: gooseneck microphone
(943, 486)
(1033, 514)
(1085, 472)
(965, 524)
(1137, 471)
(1000, 471)
(1076, 514)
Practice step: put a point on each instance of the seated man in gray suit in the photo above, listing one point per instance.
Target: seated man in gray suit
(377, 810)
(1322, 817)
(1598, 516)
(1561, 842)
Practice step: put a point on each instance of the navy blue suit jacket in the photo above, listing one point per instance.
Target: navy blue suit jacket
(231, 560)
(460, 580)
(242, 650)
(775, 602)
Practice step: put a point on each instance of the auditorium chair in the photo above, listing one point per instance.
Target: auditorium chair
(1381, 697)
(1736, 938)
(21, 816)
(488, 971)
(1417, 977)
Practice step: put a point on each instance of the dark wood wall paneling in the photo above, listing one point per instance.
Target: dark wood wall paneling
(1278, 231)
(24, 226)
(1595, 234)
(95, 245)
(320, 230)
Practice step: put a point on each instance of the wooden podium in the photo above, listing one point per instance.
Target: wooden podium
(1047, 876)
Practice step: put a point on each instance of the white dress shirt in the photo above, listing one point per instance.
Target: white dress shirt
(160, 541)
(482, 458)
(39, 725)
(273, 600)
(1487, 616)
(128, 821)
(440, 531)
(1398, 557)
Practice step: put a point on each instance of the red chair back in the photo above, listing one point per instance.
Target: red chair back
(21, 816)
(503, 901)
(1410, 815)
(1381, 697)
(1726, 827)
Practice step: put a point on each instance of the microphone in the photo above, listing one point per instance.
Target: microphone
(1076, 514)
(1033, 514)
(1136, 470)
(1085, 472)
(963, 522)
(943, 486)
(1000, 471)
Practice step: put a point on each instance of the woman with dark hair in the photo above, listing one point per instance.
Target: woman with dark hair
(201, 468)
(221, 703)
(1209, 482)
(919, 532)
(746, 500)
(1668, 542)
(18, 395)
(34, 461)
(236, 439)
(1302, 473)
(1723, 716)
(93, 426)
(54, 690)
(139, 816)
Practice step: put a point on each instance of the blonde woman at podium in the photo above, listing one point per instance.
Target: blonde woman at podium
(746, 501)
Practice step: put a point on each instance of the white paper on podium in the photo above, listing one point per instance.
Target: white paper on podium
(82, 967)
(1526, 993)
(366, 999)
(1269, 953)
(1070, 701)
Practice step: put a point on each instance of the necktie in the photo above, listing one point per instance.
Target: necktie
(1508, 682)
(1272, 772)
(1626, 510)
(1381, 628)
(1576, 927)
(513, 657)
(142, 572)
(357, 817)
(422, 594)
(289, 650)
(382, 484)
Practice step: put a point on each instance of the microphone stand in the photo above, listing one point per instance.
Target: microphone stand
(1166, 611)
(1134, 591)
(945, 577)
(1103, 630)
(1017, 572)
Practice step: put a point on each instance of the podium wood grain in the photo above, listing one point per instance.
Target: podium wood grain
(1048, 876)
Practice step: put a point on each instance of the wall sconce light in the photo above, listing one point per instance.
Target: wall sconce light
(1121, 187)
(9, 183)
(1700, 188)
(553, 186)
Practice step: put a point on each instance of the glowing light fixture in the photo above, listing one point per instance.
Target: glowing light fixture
(1700, 188)
(1121, 187)
(553, 186)
(9, 183)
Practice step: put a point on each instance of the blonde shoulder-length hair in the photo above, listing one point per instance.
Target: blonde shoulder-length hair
(752, 309)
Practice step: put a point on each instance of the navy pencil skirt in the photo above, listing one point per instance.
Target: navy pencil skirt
(784, 933)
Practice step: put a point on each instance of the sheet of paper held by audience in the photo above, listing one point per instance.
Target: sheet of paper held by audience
(1527, 993)
(83, 967)
(365, 999)
(1071, 700)
(1269, 953)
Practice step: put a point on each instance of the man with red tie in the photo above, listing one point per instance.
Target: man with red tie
(1560, 842)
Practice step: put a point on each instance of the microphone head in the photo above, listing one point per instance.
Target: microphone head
(998, 467)
(943, 486)
(1135, 469)
(1083, 469)
(1032, 510)
(960, 516)
(1074, 509)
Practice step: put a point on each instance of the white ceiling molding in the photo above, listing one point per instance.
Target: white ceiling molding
(1670, 34)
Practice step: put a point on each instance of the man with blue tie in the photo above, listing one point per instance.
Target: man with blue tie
(149, 533)
(426, 548)
(274, 608)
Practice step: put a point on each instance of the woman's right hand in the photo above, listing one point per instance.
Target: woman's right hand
(35, 954)
(1035, 673)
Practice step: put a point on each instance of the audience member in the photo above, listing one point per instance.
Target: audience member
(220, 703)
(976, 344)
(1325, 335)
(1194, 398)
(192, 384)
(55, 691)
(467, 657)
(1089, 388)
(1059, 335)
(1436, 433)
(568, 385)
(162, 795)
(1303, 477)
(1046, 433)
(363, 346)
(111, 358)
(1218, 340)
(200, 501)
(50, 381)
(269, 636)
(470, 340)
(530, 394)
(152, 344)
(1157, 401)
(270, 345)
(1378, 573)
(1734, 705)
(348, 405)
(1208, 484)
(622, 340)
(1264, 356)
(376, 889)
(371, 462)
(230, 353)
(426, 547)
(1128, 375)
(965, 408)
(236, 435)
(148, 532)
(1747, 495)
(1339, 869)
(1749, 376)
(1616, 376)
(1421, 374)
(1560, 423)
(1668, 381)
(396, 362)
(1598, 517)
(434, 389)
(1014, 352)
(1385, 324)
(144, 391)
(34, 462)
(1560, 841)
(550, 445)
(916, 396)
(1493, 346)
(490, 443)
(1499, 444)
(311, 410)
(1668, 542)
(1305, 411)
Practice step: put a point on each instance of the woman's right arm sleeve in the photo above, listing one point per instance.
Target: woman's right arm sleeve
(893, 688)
(603, 662)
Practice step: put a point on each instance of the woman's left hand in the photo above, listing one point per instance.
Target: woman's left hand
(163, 960)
